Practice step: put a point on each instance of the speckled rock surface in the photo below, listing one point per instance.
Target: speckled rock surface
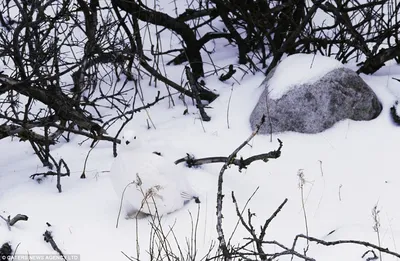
(312, 108)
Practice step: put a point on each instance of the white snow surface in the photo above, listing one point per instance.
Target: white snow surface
(299, 69)
(348, 169)
(147, 182)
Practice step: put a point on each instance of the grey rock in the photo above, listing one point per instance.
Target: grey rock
(312, 108)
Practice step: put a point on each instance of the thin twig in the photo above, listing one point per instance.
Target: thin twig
(227, 109)
(241, 213)
(122, 201)
(302, 181)
(220, 196)
(83, 175)
(341, 242)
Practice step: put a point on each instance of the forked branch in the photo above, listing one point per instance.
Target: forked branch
(229, 161)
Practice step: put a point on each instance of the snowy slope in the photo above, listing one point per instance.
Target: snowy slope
(348, 170)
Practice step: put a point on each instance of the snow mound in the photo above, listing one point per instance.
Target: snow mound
(148, 183)
(299, 69)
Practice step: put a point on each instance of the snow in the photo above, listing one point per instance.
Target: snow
(348, 169)
(148, 183)
(299, 69)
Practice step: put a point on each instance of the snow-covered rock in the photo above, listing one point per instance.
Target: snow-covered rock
(147, 182)
(320, 97)
(299, 69)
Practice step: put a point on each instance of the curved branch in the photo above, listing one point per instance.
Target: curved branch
(242, 46)
(182, 57)
(158, 18)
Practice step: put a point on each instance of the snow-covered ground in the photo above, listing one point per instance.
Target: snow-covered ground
(348, 170)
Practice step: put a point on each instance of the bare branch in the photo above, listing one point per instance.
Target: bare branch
(12, 221)
(48, 237)
(220, 196)
(194, 85)
(341, 242)
(241, 163)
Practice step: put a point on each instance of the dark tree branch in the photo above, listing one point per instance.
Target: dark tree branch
(48, 173)
(224, 14)
(294, 35)
(375, 62)
(191, 14)
(221, 237)
(346, 21)
(214, 35)
(158, 18)
(228, 75)
(341, 242)
(194, 85)
(258, 240)
(12, 221)
(269, 220)
(58, 173)
(59, 102)
(191, 50)
(7, 130)
(204, 94)
(48, 237)
(241, 163)
(18, 217)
